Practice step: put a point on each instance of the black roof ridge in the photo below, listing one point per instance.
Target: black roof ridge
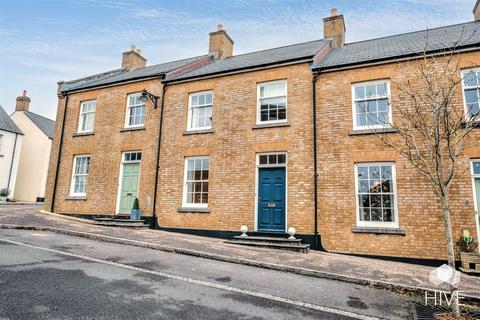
(412, 32)
(263, 50)
(37, 114)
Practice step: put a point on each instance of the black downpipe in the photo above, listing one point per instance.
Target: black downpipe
(11, 163)
(52, 206)
(154, 223)
(316, 240)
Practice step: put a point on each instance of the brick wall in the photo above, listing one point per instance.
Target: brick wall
(232, 149)
(105, 147)
(418, 210)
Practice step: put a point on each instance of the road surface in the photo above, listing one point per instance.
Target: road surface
(45, 275)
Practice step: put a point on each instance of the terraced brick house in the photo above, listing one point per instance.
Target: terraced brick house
(267, 139)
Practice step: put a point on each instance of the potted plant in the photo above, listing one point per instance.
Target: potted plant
(135, 213)
(4, 194)
(468, 254)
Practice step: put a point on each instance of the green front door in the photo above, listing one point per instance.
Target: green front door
(129, 189)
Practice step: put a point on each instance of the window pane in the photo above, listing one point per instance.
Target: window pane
(376, 214)
(470, 79)
(388, 215)
(208, 98)
(364, 200)
(364, 214)
(382, 90)
(362, 172)
(471, 96)
(370, 91)
(473, 110)
(376, 201)
(263, 159)
(476, 167)
(282, 158)
(363, 186)
(360, 92)
(272, 159)
(374, 172)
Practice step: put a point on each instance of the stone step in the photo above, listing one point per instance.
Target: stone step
(269, 239)
(284, 246)
(121, 222)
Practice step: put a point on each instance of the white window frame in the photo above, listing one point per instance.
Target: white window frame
(82, 115)
(377, 224)
(354, 108)
(190, 110)
(185, 204)
(2, 140)
(475, 200)
(259, 118)
(129, 109)
(72, 181)
(465, 108)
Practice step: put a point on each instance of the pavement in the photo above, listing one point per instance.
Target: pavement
(45, 275)
(375, 272)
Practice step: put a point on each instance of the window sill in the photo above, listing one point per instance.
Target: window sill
(76, 198)
(379, 230)
(203, 131)
(193, 210)
(132, 129)
(358, 132)
(82, 134)
(271, 125)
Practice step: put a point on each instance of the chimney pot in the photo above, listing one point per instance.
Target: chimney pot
(133, 59)
(23, 102)
(220, 44)
(333, 12)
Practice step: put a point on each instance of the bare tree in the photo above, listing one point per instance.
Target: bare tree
(432, 127)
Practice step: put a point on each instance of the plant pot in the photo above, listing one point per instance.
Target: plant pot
(135, 214)
(470, 262)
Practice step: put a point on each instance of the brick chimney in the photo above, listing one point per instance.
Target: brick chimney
(476, 11)
(220, 44)
(133, 59)
(334, 28)
(23, 102)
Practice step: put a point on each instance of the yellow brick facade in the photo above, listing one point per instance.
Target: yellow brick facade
(419, 211)
(232, 149)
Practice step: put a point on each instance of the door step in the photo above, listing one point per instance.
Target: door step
(270, 242)
(120, 222)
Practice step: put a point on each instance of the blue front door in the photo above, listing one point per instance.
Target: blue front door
(271, 200)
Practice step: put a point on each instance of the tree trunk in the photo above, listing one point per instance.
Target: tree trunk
(450, 248)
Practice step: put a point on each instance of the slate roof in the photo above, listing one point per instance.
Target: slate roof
(293, 52)
(7, 124)
(402, 45)
(46, 125)
(120, 75)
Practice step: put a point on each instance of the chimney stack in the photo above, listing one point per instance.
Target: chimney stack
(334, 28)
(476, 11)
(133, 59)
(23, 102)
(220, 44)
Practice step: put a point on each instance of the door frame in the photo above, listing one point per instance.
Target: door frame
(258, 166)
(120, 178)
(475, 200)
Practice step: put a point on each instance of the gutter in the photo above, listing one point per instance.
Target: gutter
(11, 163)
(403, 58)
(52, 206)
(115, 83)
(154, 222)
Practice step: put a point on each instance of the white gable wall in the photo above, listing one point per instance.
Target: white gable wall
(34, 158)
(8, 169)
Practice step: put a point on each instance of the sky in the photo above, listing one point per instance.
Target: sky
(44, 41)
